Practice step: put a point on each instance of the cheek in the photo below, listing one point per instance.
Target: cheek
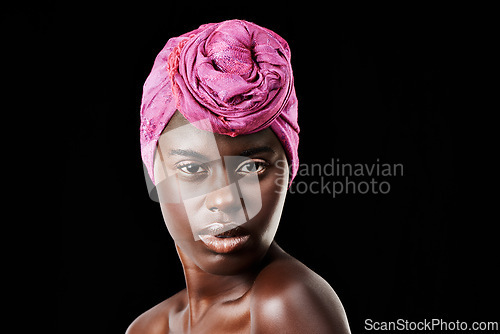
(177, 221)
(273, 192)
(274, 188)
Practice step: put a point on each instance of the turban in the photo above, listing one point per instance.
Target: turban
(235, 74)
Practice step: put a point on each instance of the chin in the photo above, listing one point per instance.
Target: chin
(230, 263)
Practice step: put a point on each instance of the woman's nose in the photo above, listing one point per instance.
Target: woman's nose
(225, 199)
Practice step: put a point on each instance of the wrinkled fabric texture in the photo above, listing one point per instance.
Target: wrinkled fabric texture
(235, 73)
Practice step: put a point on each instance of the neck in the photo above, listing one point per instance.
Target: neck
(205, 290)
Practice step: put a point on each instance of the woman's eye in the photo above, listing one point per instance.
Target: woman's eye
(252, 167)
(191, 168)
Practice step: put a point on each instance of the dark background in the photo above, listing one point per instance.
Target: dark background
(371, 84)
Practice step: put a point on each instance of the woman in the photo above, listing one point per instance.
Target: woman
(218, 127)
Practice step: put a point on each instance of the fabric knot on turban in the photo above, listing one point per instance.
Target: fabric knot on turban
(235, 73)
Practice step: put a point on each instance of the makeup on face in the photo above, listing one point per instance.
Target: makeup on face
(223, 238)
(221, 196)
(224, 189)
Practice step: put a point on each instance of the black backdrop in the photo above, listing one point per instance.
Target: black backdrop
(370, 86)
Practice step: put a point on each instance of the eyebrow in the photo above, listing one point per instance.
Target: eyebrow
(256, 150)
(188, 153)
(197, 155)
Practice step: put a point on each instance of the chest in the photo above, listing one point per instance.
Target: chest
(230, 318)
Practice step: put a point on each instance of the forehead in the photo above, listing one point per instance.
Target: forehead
(180, 134)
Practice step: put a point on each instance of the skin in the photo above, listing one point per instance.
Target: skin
(258, 288)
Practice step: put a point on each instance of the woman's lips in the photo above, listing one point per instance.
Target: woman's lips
(223, 238)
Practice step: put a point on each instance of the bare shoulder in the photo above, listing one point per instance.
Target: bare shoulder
(156, 319)
(289, 297)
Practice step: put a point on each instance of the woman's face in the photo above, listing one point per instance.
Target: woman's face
(221, 197)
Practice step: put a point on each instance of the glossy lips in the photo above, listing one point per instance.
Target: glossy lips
(223, 238)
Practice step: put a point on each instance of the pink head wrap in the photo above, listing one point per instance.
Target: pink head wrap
(235, 74)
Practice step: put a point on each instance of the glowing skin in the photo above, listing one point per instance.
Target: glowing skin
(238, 280)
